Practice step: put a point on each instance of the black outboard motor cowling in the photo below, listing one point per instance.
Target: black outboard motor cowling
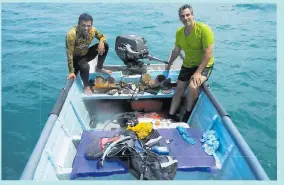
(131, 48)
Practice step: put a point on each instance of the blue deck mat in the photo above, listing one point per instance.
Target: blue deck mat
(82, 167)
(190, 157)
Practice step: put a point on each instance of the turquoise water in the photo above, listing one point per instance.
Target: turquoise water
(34, 66)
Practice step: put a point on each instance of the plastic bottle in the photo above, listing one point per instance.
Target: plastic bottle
(161, 150)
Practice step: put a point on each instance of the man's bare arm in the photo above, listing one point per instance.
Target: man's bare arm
(208, 53)
(173, 56)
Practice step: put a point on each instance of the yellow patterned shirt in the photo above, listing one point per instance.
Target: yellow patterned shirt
(77, 45)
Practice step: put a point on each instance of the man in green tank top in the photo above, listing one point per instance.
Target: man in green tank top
(196, 39)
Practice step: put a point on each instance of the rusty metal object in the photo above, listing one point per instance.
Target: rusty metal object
(102, 85)
(160, 78)
(111, 80)
(146, 78)
(154, 83)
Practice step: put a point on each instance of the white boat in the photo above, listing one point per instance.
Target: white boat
(77, 119)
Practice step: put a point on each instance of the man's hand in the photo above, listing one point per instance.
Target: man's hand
(71, 75)
(168, 67)
(196, 79)
(167, 70)
(166, 73)
(101, 48)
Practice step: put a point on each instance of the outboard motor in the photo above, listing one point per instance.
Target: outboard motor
(131, 49)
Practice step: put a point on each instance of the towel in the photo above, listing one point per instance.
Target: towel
(185, 135)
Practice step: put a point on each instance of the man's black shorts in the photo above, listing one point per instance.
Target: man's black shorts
(186, 73)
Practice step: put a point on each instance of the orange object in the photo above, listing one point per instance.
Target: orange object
(158, 122)
(154, 115)
(104, 141)
(101, 86)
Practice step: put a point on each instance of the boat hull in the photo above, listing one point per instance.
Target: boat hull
(53, 156)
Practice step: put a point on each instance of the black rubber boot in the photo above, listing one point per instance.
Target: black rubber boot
(186, 116)
(174, 118)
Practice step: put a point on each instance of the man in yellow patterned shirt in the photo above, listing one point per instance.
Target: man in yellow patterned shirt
(196, 39)
(78, 52)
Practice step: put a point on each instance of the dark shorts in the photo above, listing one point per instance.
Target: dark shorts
(186, 73)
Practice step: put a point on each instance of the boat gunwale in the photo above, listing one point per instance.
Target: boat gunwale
(31, 166)
(242, 145)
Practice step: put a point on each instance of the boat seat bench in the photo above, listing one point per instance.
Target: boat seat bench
(190, 157)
